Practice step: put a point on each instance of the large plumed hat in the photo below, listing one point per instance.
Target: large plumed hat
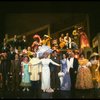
(94, 54)
(36, 36)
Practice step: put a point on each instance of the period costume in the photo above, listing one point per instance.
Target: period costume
(62, 42)
(46, 40)
(35, 74)
(54, 69)
(46, 73)
(76, 37)
(16, 74)
(23, 44)
(66, 81)
(84, 77)
(25, 82)
(72, 64)
(95, 65)
(5, 71)
(84, 42)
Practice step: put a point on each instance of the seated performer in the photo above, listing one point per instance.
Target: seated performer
(62, 42)
(67, 40)
(46, 40)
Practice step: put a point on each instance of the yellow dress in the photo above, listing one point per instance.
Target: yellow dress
(46, 42)
(84, 77)
(62, 43)
(95, 73)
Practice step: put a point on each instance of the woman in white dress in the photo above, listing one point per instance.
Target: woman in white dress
(45, 61)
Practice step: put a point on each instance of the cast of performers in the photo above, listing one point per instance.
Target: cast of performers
(44, 71)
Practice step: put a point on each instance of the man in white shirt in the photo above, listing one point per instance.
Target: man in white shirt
(72, 64)
(67, 40)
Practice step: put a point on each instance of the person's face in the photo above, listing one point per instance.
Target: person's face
(15, 36)
(26, 59)
(55, 53)
(11, 49)
(62, 35)
(64, 56)
(82, 56)
(29, 48)
(72, 54)
(24, 37)
(69, 53)
(46, 55)
(16, 56)
(67, 34)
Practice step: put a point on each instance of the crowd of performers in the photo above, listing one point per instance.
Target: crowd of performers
(39, 65)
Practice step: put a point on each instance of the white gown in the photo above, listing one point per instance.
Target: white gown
(46, 73)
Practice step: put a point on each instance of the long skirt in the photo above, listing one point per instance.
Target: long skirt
(84, 78)
(45, 78)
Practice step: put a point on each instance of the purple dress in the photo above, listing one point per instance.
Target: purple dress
(66, 83)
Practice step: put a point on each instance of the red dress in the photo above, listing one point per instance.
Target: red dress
(84, 40)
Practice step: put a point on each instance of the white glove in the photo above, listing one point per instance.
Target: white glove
(22, 74)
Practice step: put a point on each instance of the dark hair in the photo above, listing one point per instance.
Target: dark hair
(67, 54)
(54, 51)
(81, 54)
(25, 56)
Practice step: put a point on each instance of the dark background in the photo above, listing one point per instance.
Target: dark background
(17, 17)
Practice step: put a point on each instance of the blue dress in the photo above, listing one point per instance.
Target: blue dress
(26, 77)
(66, 83)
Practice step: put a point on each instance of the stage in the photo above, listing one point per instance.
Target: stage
(81, 94)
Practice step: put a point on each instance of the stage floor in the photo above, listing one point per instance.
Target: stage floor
(94, 93)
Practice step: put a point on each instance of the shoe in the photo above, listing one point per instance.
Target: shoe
(44, 90)
(23, 89)
(49, 90)
(28, 89)
(52, 90)
(58, 89)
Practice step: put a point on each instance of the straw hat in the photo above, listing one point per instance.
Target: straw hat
(46, 36)
(94, 54)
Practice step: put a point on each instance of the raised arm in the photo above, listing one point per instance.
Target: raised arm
(54, 63)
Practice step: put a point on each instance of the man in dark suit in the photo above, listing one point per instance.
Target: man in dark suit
(55, 81)
(73, 67)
